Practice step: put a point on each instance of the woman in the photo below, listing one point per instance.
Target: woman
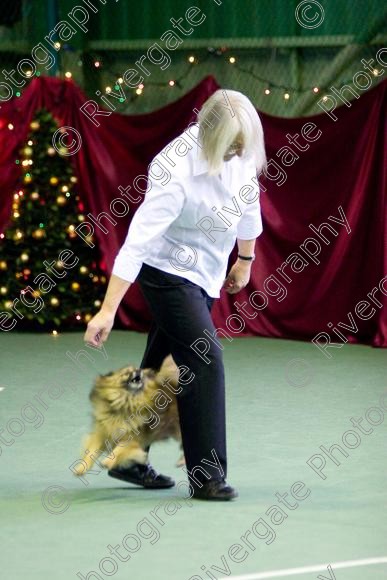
(177, 248)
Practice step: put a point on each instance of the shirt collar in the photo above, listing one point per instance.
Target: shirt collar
(200, 165)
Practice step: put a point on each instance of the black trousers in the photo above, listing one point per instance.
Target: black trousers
(181, 312)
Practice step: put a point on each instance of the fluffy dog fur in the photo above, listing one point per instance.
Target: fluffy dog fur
(123, 403)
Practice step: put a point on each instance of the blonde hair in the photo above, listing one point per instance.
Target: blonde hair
(225, 117)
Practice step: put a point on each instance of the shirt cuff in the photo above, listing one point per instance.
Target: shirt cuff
(126, 268)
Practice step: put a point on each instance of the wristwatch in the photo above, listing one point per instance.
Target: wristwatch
(247, 258)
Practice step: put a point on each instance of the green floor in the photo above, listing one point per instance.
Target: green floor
(280, 412)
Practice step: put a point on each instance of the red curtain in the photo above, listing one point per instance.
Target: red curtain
(305, 280)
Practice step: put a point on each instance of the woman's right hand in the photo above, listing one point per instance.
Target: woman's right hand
(99, 328)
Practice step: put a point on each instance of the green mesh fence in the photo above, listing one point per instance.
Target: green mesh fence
(286, 55)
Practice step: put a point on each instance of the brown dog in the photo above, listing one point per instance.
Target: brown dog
(132, 409)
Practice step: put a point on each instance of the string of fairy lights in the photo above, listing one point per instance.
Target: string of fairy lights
(267, 87)
(64, 193)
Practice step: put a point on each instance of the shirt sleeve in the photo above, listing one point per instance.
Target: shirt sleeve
(250, 224)
(162, 204)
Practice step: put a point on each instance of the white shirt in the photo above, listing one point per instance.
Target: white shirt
(174, 227)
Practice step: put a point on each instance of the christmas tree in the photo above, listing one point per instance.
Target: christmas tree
(49, 278)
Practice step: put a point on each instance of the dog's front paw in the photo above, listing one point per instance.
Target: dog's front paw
(80, 469)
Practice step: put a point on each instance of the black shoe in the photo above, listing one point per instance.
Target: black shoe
(143, 475)
(216, 489)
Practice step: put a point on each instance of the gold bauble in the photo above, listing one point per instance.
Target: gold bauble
(81, 217)
(24, 257)
(75, 286)
(88, 317)
(34, 195)
(73, 179)
(36, 293)
(3, 290)
(51, 151)
(27, 179)
(62, 151)
(28, 151)
(83, 270)
(3, 265)
(8, 304)
(61, 200)
(97, 303)
(34, 125)
(54, 301)
(103, 279)
(54, 181)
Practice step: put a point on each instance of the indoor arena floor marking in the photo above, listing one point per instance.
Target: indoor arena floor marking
(309, 569)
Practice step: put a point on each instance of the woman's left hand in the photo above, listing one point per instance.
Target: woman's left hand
(237, 278)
